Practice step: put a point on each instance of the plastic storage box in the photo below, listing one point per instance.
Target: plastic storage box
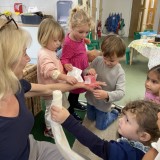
(31, 19)
(63, 8)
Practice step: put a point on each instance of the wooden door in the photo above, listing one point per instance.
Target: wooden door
(159, 27)
(137, 13)
(151, 14)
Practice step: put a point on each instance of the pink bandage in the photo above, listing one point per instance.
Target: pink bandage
(90, 79)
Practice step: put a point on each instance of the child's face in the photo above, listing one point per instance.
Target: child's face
(53, 44)
(152, 83)
(128, 126)
(79, 33)
(111, 61)
(19, 66)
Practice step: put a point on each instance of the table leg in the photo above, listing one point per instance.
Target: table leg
(131, 55)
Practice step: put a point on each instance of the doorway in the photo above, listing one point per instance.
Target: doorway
(152, 7)
(142, 15)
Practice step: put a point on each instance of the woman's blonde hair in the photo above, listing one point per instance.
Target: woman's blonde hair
(49, 28)
(13, 42)
(78, 17)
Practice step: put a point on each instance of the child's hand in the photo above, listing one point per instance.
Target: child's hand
(93, 54)
(68, 67)
(87, 41)
(92, 72)
(100, 94)
(59, 115)
(71, 80)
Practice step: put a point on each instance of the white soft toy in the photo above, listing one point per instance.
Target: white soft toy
(59, 135)
(76, 72)
(156, 145)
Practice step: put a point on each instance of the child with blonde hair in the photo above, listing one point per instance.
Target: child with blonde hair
(74, 52)
(49, 67)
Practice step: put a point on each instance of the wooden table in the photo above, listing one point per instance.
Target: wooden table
(149, 50)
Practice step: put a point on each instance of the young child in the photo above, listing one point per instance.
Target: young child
(137, 126)
(152, 84)
(49, 67)
(154, 153)
(152, 93)
(74, 51)
(109, 70)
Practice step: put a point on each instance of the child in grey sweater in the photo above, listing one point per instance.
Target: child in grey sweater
(108, 70)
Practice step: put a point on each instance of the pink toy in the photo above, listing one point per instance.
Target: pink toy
(90, 79)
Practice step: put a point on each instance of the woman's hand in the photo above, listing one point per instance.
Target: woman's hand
(150, 155)
(59, 114)
(92, 86)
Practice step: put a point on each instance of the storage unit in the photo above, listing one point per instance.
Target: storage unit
(63, 9)
(31, 19)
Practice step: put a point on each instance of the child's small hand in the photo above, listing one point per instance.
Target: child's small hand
(87, 41)
(100, 94)
(71, 80)
(59, 115)
(93, 54)
(92, 72)
(68, 67)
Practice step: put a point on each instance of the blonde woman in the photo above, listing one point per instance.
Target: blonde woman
(16, 121)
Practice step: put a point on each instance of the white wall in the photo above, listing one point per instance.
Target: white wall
(114, 6)
(32, 51)
(109, 6)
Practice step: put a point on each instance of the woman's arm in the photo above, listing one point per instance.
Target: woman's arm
(82, 134)
(45, 90)
(150, 155)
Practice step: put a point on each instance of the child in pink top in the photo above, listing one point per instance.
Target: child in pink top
(152, 84)
(49, 67)
(74, 51)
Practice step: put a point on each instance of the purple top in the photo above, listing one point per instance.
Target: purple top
(152, 97)
(74, 52)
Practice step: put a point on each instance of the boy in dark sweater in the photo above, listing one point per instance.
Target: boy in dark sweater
(137, 126)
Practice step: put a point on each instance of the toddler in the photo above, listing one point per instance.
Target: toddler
(74, 52)
(109, 70)
(49, 67)
(152, 84)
